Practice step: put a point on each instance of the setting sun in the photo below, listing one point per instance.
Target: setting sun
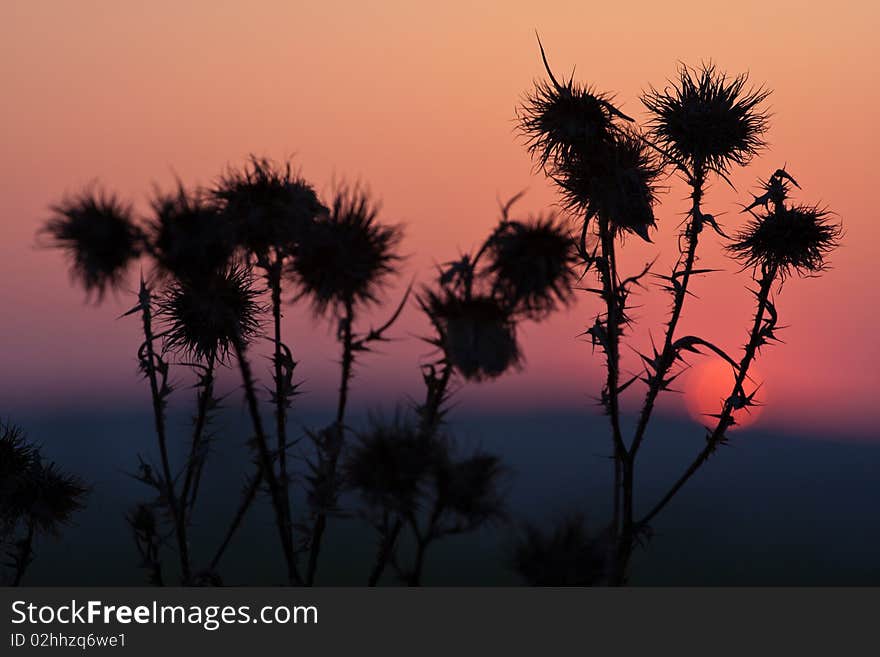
(707, 384)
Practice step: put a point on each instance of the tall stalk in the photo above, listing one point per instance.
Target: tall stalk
(149, 362)
(725, 419)
(195, 460)
(282, 392)
(266, 466)
(320, 525)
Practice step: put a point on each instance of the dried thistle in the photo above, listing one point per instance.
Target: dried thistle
(346, 256)
(269, 206)
(477, 334)
(204, 317)
(618, 182)
(786, 238)
(532, 265)
(707, 118)
(564, 120)
(190, 238)
(565, 556)
(97, 232)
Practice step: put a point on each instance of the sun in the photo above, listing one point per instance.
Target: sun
(707, 384)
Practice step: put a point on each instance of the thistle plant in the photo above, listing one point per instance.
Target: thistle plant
(271, 209)
(608, 172)
(342, 263)
(37, 499)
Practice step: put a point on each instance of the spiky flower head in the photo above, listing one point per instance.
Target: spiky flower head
(617, 183)
(531, 264)
(32, 490)
(477, 333)
(190, 238)
(389, 464)
(98, 234)
(468, 488)
(206, 316)
(564, 556)
(346, 256)
(268, 204)
(709, 119)
(786, 238)
(559, 120)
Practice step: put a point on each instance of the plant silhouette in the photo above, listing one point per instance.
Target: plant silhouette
(224, 263)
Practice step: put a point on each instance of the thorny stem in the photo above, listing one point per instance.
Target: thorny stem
(386, 549)
(196, 460)
(25, 554)
(177, 515)
(608, 276)
(265, 461)
(250, 493)
(725, 418)
(657, 380)
(281, 394)
(667, 358)
(422, 543)
(347, 339)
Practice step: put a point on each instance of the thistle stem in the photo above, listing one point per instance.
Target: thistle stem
(386, 549)
(281, 393)
(177, 515)
(667, 358)
(265, 461)
(717, 435)
(347, 338)
(195, 461)
(250, 494)
(665, 361)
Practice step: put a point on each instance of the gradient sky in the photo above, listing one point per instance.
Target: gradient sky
(419, 101)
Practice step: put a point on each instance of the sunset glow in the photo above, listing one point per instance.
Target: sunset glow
(420, 105)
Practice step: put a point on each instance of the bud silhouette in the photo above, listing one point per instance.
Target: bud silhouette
(346, 256)
(97, 232)
(786, 238)
(269, 206)
(708, 119)
(532, 263)
(189, 237)
(205, 316)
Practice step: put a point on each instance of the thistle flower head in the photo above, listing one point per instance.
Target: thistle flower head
(468, 488)
(709, 119)
(346, 256)
(389, 464)
(532, 265)
(477, 333)
(269, 206)
(97, 232)
(617, 182)
(559, 120)
(205, 316)
(788, 239)
(31, 489)
(564, 556)
(190, 238)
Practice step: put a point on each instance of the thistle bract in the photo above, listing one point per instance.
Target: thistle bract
(346, 256)
(532, 265)
(708, 119)
(269, 206)
(97, 232)
(206, 316)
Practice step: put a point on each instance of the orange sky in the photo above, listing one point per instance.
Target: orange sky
(419, 101)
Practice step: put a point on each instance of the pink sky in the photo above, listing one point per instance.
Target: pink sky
(419, 101)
